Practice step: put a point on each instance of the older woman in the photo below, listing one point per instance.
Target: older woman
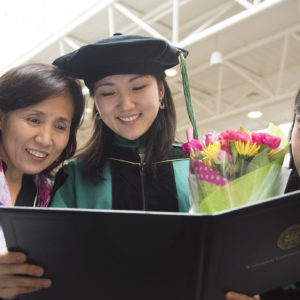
(40, 112)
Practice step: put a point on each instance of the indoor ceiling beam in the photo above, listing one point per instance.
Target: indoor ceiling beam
(246, 4)
(77, 21)
(219, 90)
(198, 103)
(111, 21)
(213, 18)
(241, 109)
(126, 12)
(234, 20)
(282, 64)
(71, 43)
(207, 15)
(156, 14)
(239, 70)
(236, 103)
(196, 93)
(61, 46)
(240, 51)
(296, 36)
(175, 24)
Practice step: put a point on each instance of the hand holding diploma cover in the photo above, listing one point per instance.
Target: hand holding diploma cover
(105, 254)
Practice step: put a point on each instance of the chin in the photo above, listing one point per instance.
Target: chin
(33, 171)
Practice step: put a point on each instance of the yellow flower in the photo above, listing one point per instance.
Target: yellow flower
(207, 162)
(210, 152)
(246, 148)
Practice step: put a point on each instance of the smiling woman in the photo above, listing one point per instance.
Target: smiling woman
(32, 138)
(131, 161)
(40, 112)
(128, 104)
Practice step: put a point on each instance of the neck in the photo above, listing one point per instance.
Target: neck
(139, 143)
(13, 177)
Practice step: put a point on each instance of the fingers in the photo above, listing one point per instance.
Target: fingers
(237, 296)
(12, 264)
(13, 286)
(7, 257)
(24, 282)
(25, 269)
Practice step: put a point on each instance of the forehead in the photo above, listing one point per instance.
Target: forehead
(121, 78)
(61, 105)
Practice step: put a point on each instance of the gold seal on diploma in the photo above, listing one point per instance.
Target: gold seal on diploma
(289, 238)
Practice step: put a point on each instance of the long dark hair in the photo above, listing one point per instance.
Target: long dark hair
(296, 112)
(32, 83)
(159, 140)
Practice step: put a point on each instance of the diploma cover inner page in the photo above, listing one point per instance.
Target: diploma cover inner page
(117, 255)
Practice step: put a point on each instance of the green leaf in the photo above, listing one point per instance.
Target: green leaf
(260, 160)
(279, 156)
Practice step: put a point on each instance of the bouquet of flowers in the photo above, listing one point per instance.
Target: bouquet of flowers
(235, 168)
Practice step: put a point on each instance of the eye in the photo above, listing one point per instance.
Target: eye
(61, 126)
(104, 92)
(107, 94)
(33, 120)
(139, 87)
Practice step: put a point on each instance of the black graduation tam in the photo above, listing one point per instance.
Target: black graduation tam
(120, 54)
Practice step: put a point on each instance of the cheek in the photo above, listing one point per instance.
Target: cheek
(62, 141)
(104, 107)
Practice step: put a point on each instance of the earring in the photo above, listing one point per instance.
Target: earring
(97, 116)
(162, 104)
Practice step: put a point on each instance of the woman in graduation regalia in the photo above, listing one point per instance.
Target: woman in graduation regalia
(131, 161)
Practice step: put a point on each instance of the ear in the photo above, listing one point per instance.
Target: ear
(161, 92)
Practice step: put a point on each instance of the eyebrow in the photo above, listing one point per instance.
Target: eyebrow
(40, 113)
(137, 77)
(111, 83)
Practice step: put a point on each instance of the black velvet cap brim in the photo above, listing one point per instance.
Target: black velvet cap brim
(120, 54)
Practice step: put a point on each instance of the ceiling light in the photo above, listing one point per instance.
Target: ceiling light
(254, 114)
(171, 72)
(216, 58)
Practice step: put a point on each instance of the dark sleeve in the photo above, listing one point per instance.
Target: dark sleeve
(59, 180)
(27, 193)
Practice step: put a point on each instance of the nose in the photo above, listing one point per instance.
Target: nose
(44, 136)
(126, 101)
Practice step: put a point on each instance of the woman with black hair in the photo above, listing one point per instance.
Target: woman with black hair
(131, 161)
(40, 112)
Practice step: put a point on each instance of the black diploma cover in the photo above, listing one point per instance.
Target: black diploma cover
(120, 255)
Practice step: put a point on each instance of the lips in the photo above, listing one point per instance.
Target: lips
(129, 118)
(37, 153)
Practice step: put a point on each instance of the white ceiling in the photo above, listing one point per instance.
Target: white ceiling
(259, 41)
